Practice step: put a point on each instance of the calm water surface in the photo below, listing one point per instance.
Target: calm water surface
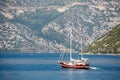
(41, 66)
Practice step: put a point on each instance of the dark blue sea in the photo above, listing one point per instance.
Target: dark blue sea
(44, 66)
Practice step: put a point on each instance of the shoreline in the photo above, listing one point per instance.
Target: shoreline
(52, 53)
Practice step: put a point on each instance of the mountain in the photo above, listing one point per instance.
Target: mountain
(44, 25)
(108, 43)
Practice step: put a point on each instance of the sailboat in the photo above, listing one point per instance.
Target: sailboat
(81, 63)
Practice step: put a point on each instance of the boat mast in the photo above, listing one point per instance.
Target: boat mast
(70, 44)
(81, 49)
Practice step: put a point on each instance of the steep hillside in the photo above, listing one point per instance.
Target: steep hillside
(19, 38)
(109, 43)
(44, 25)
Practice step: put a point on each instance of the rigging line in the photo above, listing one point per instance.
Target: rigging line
(61, 55)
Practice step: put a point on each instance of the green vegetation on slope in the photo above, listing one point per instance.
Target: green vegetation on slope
(36, 19)
(3, 19)
(108, 43)
(54, 36)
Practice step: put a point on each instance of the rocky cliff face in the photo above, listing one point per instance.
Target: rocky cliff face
(44, 25)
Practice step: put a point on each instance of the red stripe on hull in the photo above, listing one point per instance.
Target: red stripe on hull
(81, 66)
